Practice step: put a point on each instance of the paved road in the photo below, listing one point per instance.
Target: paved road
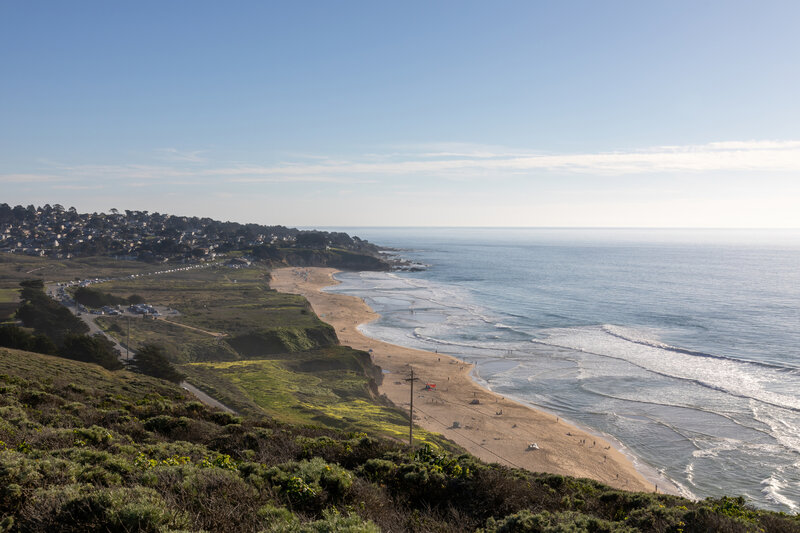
(205, 398)
(89, 320)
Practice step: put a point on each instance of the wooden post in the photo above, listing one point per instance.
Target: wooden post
(412, 379)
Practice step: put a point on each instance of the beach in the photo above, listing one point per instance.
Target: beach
(494, 428)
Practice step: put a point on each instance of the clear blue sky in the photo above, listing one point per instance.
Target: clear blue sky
(534, 113)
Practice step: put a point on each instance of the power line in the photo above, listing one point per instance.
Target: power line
(512, 463)
(411, 380)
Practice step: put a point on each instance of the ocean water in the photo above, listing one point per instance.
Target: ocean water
(682, 345)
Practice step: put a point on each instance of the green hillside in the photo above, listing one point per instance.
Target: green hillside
(85, 449)
(312, 449)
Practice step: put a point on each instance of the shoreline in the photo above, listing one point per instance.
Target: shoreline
(648, 472)
(493, 427)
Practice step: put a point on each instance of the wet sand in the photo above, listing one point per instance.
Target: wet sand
(495, 429)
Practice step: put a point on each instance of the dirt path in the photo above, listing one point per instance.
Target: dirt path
(212, 333)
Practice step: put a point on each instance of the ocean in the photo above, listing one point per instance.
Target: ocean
(683, 346)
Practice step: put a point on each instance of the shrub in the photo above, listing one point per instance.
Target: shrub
(218, 499)
(332, 522)
(311, 483)
(545, 522)
(166, 424)
(222, 418)
(94, 435)
(81, 508)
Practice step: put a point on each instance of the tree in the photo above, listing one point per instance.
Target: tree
(267, 251)
(311, 239)
(6, 213)
(96, 349)
(96, 298)
(150, 360)
(19, 213)
(43, 344)
(15, 337)
(44, 315)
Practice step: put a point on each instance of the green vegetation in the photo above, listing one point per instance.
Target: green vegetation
(12, 336)
(182, 345)
(9, 295)
(85, 449)
(333, 387)
(57, 331)
(95, 349)
(334, 258)
(47, 317)
(276, 356)
(16, 268)
(150, 360)
(313, 448)
(238, 303)
(95, 298)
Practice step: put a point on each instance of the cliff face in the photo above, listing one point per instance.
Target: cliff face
(283, 340)
(340, 259)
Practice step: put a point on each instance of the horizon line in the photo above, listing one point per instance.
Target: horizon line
(715, 228)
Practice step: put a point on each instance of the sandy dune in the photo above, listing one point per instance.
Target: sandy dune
(495, 429)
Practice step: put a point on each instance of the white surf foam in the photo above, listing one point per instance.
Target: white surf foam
(775, 485)
(733, 377)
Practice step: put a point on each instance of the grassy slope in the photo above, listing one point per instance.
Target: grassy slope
(328, 387)
(84, 449)
(16, 268)
(220, 299)
(301, 380)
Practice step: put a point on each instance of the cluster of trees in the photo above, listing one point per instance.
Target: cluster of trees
(87, 348)
(41, 313)
(151, 360)
(18, 213)
(56, 331)
(97, 298)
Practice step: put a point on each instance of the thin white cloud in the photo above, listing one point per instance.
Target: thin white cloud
(276, 176)
(763, 156)
(173, 154)
(79, 187)
(29, 178)
(443, 161)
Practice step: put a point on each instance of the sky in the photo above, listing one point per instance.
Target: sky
(533, 113)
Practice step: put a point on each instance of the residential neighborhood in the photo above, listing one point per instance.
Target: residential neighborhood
(63, 233)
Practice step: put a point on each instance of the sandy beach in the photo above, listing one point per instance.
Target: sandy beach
(489, 426)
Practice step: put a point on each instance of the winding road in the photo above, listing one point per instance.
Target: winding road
(127, 354)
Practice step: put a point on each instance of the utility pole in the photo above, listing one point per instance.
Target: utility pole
(128, 342)
(411, 380)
